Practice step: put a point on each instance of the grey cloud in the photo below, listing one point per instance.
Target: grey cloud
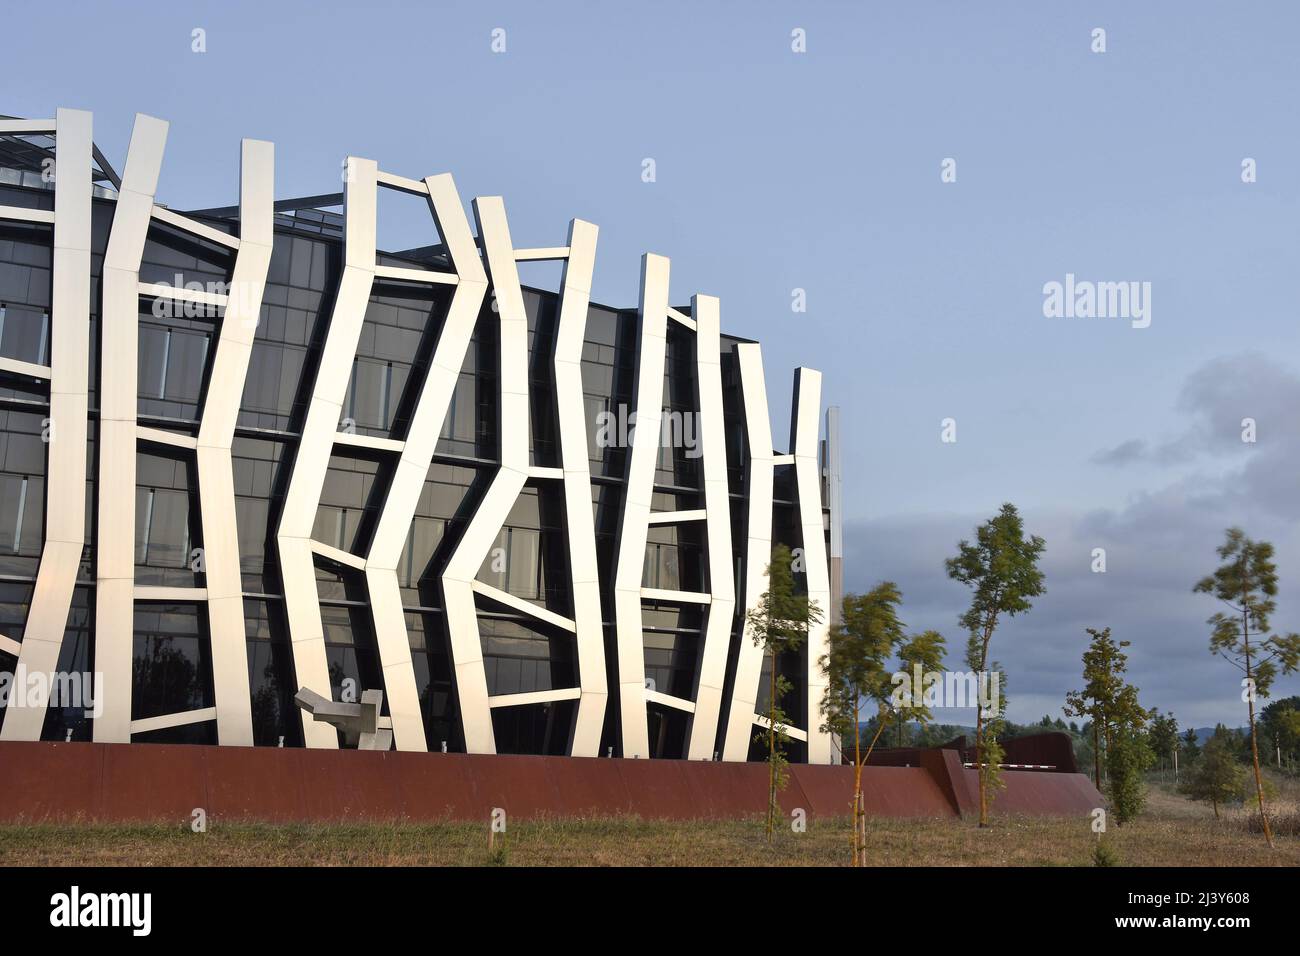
(1215, 399)
(1157, 547)
(1125, 453)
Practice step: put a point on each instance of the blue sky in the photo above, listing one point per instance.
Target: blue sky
(820, 170)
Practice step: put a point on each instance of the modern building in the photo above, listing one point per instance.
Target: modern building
(242, 451)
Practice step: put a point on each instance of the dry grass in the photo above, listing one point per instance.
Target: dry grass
(1174, 832)
(1283, 808)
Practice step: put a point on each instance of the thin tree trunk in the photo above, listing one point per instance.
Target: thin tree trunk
(872, 745)
(1105, 738)
(860, 810)
(1096, 755)
(979, 732)
(1254, 744)
(862, 832)
(771, 751)
(979, 763)
(857, 778)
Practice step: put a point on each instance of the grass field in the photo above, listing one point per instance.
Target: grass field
(1173, 832)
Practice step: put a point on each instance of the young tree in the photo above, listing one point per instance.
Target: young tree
(1280, 724)
(779, 623)
(1163, 736)
(1217, 777)
(868, 634)
(1247, 583)
(1118, 723)
(1103, 695)
(1191, 745)
(856, 665)
(1127, 758)
(1001, 569)
(858, 648)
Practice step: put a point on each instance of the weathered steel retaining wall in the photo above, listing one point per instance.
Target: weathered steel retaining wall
(128, 782)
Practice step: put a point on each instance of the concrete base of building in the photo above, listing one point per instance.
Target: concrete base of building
(68, 782)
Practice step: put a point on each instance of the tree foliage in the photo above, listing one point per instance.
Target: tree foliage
(1217, 777)
(1001, 569)
(1163, 736)
(1127, 758)
(778, 623)
(860, 647)
(1110, 702)
(1279, 722)
(1246, 582)
(920, 654)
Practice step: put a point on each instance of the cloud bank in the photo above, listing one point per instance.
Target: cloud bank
(1156, 547)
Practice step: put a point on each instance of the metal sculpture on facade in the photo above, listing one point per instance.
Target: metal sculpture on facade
(361, 724)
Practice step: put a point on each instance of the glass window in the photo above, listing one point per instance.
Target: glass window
(372, 394)
(25, 334)
(186, 358)
(172, 670)
(421, 541)
(513, 563)
(252, 516)
(524, 562)
(670, 662)
(172, 363)
(162, 521)
(21, 514)
(270, 678)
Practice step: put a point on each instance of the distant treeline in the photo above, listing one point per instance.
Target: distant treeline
(1279, 736)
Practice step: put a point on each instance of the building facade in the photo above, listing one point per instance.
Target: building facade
(243, 451)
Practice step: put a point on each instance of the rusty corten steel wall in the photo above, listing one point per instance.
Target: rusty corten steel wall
(1052, 749)
(123, 782)
(1030, 793)
(945, 767)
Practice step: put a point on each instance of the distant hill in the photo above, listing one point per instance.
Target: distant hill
(952, 730)
(1205, 733)
(933, 735)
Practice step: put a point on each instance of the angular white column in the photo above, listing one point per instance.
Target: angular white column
(216, 478)
(575, 297)
(758, 547)
(65, 485)
(804, 445)
(758, 553)
(116, 436)
(459, 584)
(835, 504)
(513, 435)
(413, 467)
(652, 332)
(297, 567)
(717, 508)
